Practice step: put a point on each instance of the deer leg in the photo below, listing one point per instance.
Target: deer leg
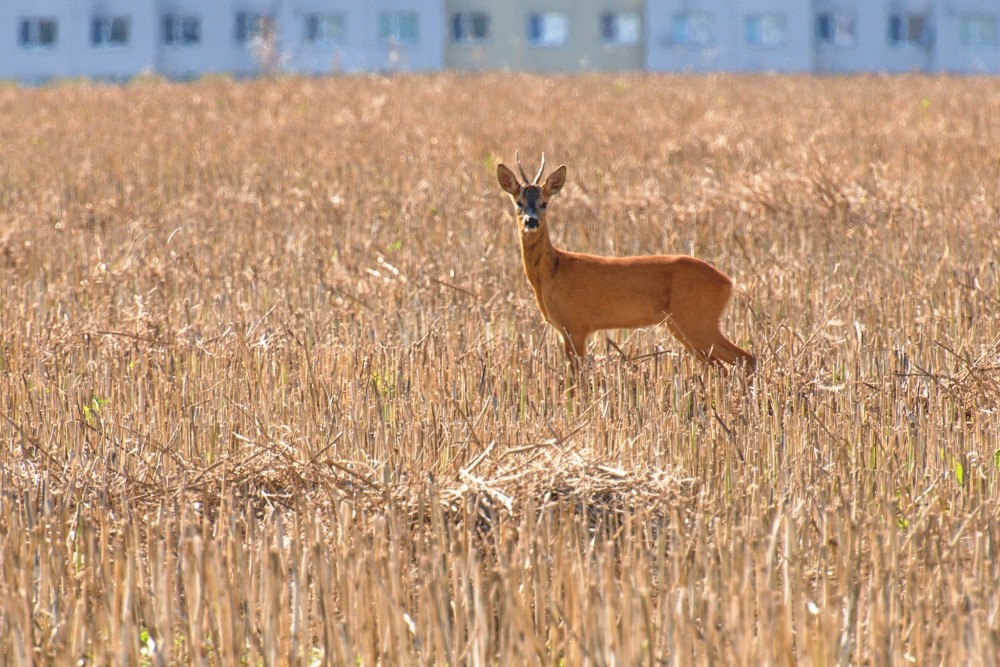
(709, 344)
(731, 353)
(575, 344)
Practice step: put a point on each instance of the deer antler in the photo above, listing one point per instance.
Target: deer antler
(540, 170)
(524, 176)
(517, 157)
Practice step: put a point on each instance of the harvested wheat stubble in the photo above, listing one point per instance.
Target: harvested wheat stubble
(574, 478)
(274, 388)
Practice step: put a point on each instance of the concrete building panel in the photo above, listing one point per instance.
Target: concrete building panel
(118, 39)
(729, 35)
(187, 38)
(545, 35)
(967, 39)
(689, 35)
(896, 36)
(109, 40)
(181, 55)
(772, 36)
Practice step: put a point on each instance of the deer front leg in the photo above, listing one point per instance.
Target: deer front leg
(575, 344)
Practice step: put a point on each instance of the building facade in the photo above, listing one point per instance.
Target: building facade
(966, 36)
(824, 36)
(545, 35)
(729, 35)
(899, 36)
(44, 39)
(119, 39)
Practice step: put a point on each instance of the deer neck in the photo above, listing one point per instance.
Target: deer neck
(539, 256)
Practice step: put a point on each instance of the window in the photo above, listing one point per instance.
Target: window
(109, 31)
(978, 30)
(548, 29)
(835, 29)
(325, 29)
(399, 27)
(692, 29)
(181, 30)
(764, 29)
(251, 26)
(908, 29)
(38, 32)
(620, 28)
(470, 27)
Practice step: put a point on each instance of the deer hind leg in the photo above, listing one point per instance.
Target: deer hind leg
(725, 350)
(708, 343)
(734, 354)
(694, 321)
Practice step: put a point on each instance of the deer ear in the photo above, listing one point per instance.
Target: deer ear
(555, 181)
(508, 181)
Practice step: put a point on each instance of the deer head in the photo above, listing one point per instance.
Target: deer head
(530, 198)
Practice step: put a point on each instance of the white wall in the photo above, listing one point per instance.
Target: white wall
(666, 53)
(950, 53)
(729, 48)
(793, 54)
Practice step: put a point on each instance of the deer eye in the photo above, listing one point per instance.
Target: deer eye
(544, 205)
(519, 205)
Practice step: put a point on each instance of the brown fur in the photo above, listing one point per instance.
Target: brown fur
(579, 294)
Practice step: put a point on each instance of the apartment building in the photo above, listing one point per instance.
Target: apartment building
(894, 36)
(119, 39)
(304, 36)
(545, 35)
(953, 36)
(43, 39)
(729, 35)
(967, 39)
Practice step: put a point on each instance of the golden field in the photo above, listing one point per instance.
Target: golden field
(274, 389)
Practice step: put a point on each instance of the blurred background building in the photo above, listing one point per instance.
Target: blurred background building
(42, 40)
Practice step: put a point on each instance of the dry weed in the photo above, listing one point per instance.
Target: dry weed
(273, 388)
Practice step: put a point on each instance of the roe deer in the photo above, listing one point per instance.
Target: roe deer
(579, 294)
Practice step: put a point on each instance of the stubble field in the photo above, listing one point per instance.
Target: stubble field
(274, 388)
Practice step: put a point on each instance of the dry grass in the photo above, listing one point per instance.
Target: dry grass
(274, 390)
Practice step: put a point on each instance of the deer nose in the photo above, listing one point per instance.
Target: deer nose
(530, 222)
